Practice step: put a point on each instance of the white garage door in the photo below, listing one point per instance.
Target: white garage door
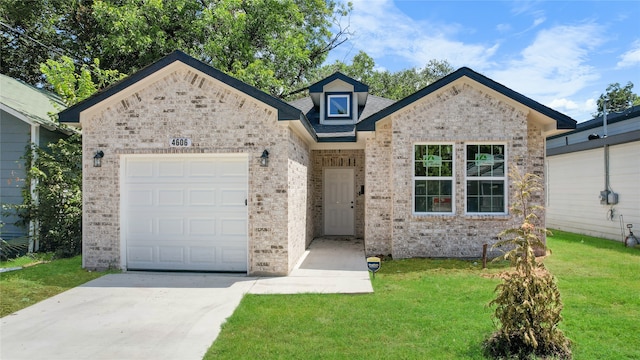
(185, 213)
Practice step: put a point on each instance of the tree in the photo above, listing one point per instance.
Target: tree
(270, 44)
(36, 30)
(528, 304)
(74, 84)
(56, 170)
(382, 82)
(57, 211)
(618, 99)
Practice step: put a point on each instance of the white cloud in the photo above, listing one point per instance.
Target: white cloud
(382, 30)
(631, 57)
(555, 64)
(563, 104)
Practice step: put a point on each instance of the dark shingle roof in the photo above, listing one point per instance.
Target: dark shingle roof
(285, 111)
(563, 121)
(338, 133)
(594, 123)
(357, 85)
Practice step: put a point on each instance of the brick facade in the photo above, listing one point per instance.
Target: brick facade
(218, 119)
(460, 115)
(285, 199)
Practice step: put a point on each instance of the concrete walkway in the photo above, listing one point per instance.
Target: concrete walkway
(330, 265)
(138, 315)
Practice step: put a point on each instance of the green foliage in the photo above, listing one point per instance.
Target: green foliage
(75, 84)
(57, 208)
(271, 44)
(40, 29)
(618, 99)
(384, 83)
(54, 207)
(528, 303)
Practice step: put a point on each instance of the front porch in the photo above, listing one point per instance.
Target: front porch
(331, 264)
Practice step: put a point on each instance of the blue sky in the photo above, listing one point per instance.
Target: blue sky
(562, 54)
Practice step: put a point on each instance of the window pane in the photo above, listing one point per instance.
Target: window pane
(421, 204)
(433, 196)
(485, 160)
(485, 196)
(433, 161)
(420, 170)
(338, 105)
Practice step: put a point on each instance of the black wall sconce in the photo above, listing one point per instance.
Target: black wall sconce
(97, 158)
(264, 159)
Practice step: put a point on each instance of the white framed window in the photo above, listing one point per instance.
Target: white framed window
(433, 176)
(486, 178)
(339, 105)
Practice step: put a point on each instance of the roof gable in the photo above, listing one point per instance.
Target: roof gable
(562, 121)
(357, 85)
(284, 110)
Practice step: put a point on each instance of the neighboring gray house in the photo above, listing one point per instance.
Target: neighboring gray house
(199, 171)
(24, 119)
(584, 163)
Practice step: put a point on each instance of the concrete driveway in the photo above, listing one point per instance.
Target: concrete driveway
(164, 315)
(126, 316)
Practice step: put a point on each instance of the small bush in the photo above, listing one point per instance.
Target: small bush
(528, 303)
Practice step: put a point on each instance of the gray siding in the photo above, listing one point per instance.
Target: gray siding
(621, 126)
(575, 181)
(47, 136)
(14, 137)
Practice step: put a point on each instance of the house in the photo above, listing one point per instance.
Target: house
(196, 170)
(24, 119)
(593, 177)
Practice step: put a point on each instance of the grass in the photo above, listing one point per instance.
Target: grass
(437, 309)
(22, 288)
(421, 309)
(600, 284)
(27, 260)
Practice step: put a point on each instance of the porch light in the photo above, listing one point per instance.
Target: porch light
(264, 159)
(97, 158)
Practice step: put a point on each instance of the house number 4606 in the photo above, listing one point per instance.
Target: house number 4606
(180, 142)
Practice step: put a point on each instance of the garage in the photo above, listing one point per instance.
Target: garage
(184, 212)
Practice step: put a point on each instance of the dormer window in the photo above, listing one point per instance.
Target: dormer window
(339, 106)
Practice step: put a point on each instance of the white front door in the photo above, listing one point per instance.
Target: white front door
(185, 212)
(339, 202)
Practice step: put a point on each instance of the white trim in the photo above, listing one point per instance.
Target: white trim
(347, 115)
(34, 243)
(27, 119)
(505, 178)
(451, 178)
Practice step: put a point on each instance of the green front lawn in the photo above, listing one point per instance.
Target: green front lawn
(22, 288)
(421, 309)
(437, 309)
